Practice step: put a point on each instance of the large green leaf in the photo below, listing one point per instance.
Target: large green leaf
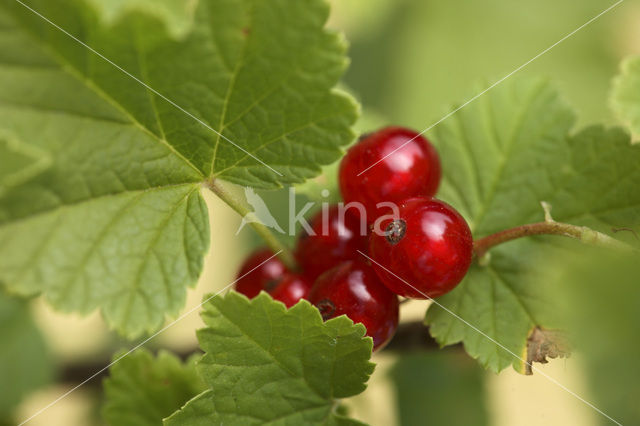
(142, 389)
(625, 98)
(257, 72)
(117, 221)
(25, 362)
(502, 156)
(268, 365)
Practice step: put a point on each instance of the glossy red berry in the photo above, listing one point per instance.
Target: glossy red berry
(353, 289)
(429, 246)
(291, 288)
(261, 271)
(399, 164)
(338, 237)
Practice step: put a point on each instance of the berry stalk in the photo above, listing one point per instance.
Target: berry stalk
(548, 227)
(226, 194)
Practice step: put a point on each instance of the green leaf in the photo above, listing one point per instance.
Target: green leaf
(25, 362)
(625, 98)
(258, 72)
(143, 389)
(19, 162)
(429, 388)
(117, 221)
(268, 365)
(502, 156)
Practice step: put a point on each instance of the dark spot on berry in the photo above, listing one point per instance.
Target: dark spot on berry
(326, 308)
(364, 136)
(395, 231)
(271, 284)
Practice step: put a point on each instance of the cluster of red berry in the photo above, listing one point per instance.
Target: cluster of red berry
(423, 250)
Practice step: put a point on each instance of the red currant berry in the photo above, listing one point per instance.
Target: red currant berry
(403, 164)
(429, 246)
(291, 288)
(261, 271)
(353, 289)
(338, 237)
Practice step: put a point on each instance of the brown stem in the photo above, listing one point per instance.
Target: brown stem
(581, 233)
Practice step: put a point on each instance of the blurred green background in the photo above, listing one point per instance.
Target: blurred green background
(410, 61)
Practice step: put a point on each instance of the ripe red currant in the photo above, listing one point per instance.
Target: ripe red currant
(261, 271)
(353, 289)
(406, 165)
(429, 246)
(338, 237)
(291, 288)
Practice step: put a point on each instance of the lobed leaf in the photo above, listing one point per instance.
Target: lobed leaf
(265, 364)
(502, 156)
(116, 221)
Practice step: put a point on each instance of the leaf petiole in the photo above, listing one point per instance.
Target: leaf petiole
(225, 193)
(548, 227)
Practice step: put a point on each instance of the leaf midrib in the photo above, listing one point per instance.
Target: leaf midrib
(79, 267)
(484, 207)
(142, 64)
(499, 278)
(275, 360)
(135, 289)
(230, 89)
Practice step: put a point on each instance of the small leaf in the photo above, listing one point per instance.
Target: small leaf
(625, 98)
(142, 389)
(268, 365)
(502, 156)
(25, 361)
